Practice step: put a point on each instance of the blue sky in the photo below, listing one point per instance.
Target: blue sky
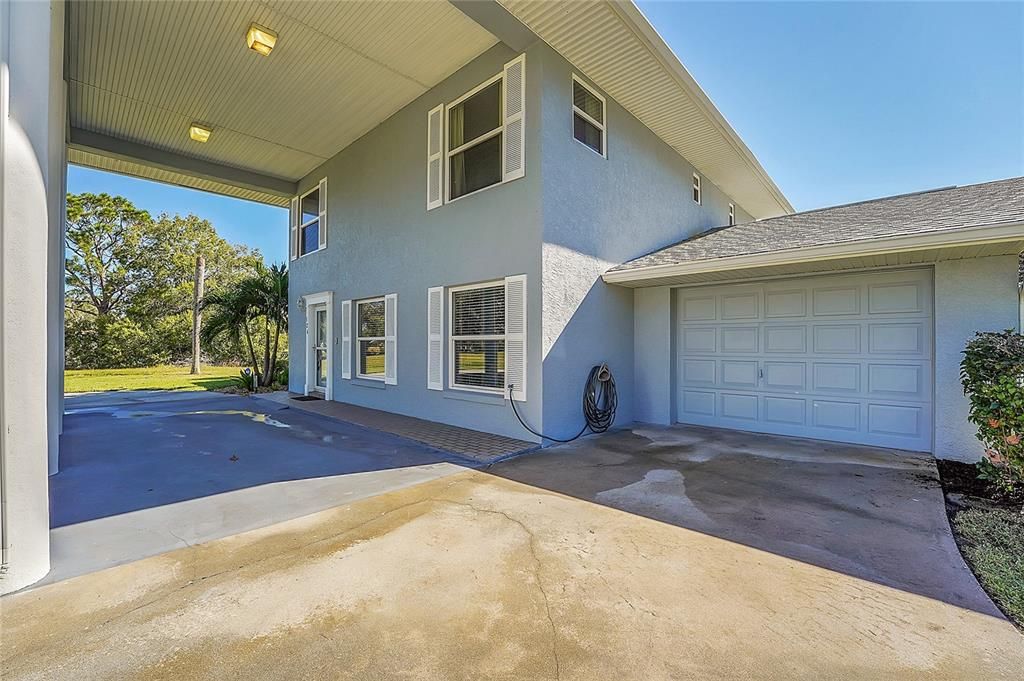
(839, 101)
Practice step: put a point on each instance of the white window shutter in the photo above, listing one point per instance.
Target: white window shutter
(346, 339)
(293, 227)
(515, 336)
(435, 338)
(514, 91)
(391, 339)
(323, 214)
(435, 156)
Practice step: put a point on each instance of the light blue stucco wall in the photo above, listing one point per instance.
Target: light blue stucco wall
(573, 216)
(383, 240)
(971, 295)
(599, 212)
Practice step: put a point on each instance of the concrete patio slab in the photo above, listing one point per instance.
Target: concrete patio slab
(476, 576)
(149, 471)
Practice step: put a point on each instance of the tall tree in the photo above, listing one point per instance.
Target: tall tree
(197, 313)
(108, 253)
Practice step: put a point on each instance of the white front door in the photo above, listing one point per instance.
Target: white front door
(838, 357)
(319, 349)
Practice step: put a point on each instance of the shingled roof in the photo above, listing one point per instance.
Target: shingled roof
(928, 212)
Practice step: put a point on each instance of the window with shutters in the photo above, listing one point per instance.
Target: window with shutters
(483, 134)
(370, 339)
(477, 337)
(588, 116)
(310, 219)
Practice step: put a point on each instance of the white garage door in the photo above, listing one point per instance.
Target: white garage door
(838, 357)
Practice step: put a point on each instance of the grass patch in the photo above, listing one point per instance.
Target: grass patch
(148, 378)
(992, 540)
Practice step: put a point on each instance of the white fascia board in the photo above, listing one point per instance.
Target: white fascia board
(962, 236)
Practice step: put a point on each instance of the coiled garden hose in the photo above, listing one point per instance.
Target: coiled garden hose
(600, 400)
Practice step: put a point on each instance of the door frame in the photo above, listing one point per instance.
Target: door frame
(312, 302)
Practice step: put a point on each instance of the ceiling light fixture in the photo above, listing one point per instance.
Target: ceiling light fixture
(260, 39)
(199, 132)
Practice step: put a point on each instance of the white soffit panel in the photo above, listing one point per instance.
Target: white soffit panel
(142, 71)
(617, 48)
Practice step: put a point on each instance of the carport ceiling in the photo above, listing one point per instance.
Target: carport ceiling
(143, 71)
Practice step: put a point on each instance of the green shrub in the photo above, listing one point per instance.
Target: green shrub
(992, 373)
(104, 342)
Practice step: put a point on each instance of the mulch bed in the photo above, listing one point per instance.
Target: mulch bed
(966, 493)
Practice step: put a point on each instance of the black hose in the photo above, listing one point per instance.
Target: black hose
(600, 400)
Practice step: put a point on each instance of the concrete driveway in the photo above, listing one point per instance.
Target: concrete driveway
(644, 554)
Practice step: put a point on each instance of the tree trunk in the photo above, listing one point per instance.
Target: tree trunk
(197, 315)
(252, 355)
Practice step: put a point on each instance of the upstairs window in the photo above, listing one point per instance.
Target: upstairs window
(588, 116)
(474, 140)
(477, 337)
(696, 188)
(479, 140)
(732, 215)
(308, 220)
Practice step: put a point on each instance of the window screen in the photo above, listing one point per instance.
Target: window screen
(370, 330)
(478, 337)
(588, 114)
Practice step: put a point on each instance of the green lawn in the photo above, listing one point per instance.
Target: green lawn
(994, 546)
(148, 378)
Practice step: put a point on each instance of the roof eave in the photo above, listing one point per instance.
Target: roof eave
(630, 13)
(960, 237)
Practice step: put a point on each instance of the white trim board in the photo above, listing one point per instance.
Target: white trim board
(950, 238)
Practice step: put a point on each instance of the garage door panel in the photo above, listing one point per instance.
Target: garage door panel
(700, 310)
(830, 302)
(897, 380)
(697, 371)
(785, 339)
(739, 406)
(837, 339)
(786, 410)
(740, 306)
(892, 298)
(791, 376)
(836, 377)
(743, 339)
(781, 304)
(836, 415)
(700, 340)
(739, 373)
(841, 357)
(894, 338)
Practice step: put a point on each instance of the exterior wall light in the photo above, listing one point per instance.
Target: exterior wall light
(260, 39)
(199, 132)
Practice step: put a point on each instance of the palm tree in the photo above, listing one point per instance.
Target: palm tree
(254, 309)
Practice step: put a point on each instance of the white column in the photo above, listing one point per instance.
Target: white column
(32, 161)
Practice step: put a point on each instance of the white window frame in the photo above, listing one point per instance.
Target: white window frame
(697, 190)
(446, 170)
(359, 339)
(311, 303)
(603, 127)
(307, 223)
(452, 338)
(732, 214)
